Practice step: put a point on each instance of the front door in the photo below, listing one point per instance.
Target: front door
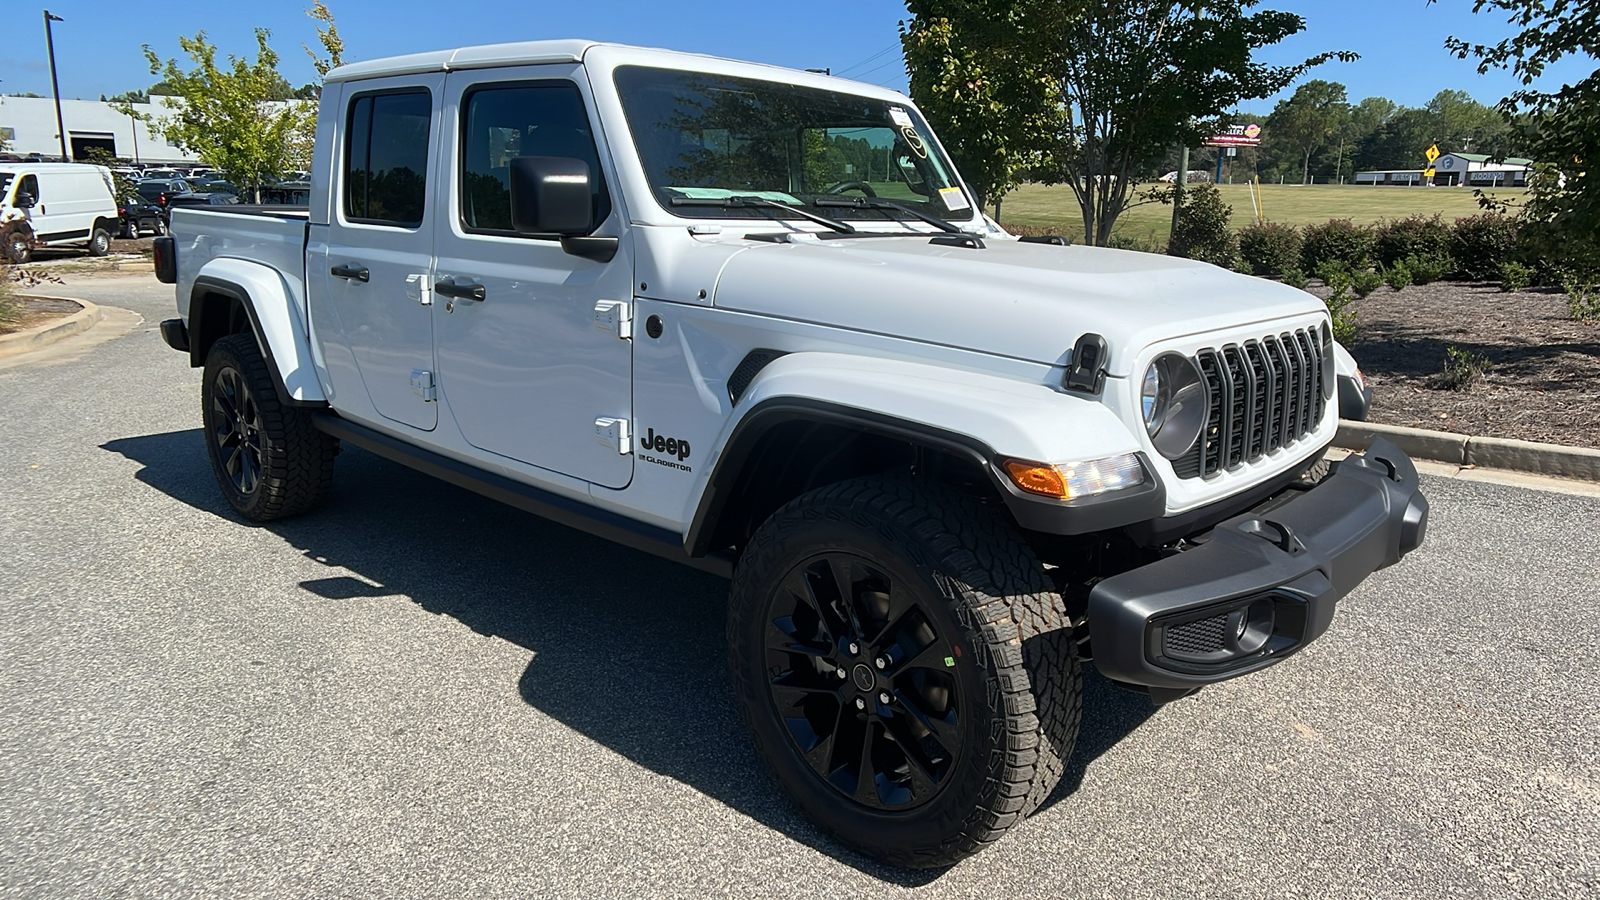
(380, 242)
(528, 370)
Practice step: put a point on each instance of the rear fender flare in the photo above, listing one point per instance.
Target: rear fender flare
(274, 318)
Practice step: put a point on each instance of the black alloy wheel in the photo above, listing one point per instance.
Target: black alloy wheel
(905, 666)
(862, 682)
(235, 431)
(269, 459)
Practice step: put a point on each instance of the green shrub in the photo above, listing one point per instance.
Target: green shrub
(1365, 282)
(1397, 276)
(1338, 240)
(1479, 244)
(1418, 235)
(1295, 278)
(1332, 271)
(1462, 369)
(1201, 231)
(1345, 330)
(1515, 276)
(1583, 295)
(1269, 249)
(1427, 269)
(1146, 244)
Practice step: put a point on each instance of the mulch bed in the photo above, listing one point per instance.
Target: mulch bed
(1544, 379)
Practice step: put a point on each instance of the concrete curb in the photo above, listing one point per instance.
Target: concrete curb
(44, 335)
(1484, 452)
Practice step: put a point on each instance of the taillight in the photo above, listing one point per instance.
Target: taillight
(162, 199)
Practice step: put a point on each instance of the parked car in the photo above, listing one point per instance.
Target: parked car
(157, 174)
(643, 295)
(199, 199)
(160, 190)
(137, 215)
(64, 204)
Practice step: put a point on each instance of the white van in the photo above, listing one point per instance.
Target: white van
(63, 204)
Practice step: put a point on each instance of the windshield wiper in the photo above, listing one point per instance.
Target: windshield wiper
(886, 203)
(745, 201)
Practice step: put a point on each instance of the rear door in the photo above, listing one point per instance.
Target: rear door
(529, 371)
(379, 252)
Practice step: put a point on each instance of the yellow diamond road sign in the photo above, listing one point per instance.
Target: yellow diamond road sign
(1432, 153)
(1428, 172)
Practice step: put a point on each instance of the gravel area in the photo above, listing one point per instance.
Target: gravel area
(1544, 372)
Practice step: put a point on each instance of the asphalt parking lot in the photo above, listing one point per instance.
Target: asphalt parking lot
(419, 693)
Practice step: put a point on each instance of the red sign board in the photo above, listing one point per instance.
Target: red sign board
(1237, 136)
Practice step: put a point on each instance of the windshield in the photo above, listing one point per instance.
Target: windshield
(705, 137)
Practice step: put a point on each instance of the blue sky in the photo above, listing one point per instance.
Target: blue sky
(97, 47)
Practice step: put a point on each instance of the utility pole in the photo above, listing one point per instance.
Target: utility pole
(55, 86)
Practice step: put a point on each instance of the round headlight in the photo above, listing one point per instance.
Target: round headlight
(1175, 401)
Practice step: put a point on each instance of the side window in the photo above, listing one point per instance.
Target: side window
(502, 123)
(386, 158)
(29, 185)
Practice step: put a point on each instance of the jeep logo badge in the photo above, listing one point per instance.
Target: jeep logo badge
(660, 443)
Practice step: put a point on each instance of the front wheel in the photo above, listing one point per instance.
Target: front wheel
(268, 459)
(159, 226)
(905, 667)
(99, 242)
(18, 248)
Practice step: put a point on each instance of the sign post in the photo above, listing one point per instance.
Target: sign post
(1236, 136)
(1432, 153)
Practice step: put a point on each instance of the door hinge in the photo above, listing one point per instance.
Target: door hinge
(615, 316)
(417, 288)
(613, 433)
(422, 385)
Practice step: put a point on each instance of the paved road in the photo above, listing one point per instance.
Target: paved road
(419, 693)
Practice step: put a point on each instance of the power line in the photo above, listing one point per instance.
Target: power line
(868, 59)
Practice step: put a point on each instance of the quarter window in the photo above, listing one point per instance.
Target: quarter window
(502, 123)
(386, 158)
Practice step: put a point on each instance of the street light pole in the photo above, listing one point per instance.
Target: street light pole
(55, 86)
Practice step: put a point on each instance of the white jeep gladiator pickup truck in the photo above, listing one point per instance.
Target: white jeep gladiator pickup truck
(749, 319)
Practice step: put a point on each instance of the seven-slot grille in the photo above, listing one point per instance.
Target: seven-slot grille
(1264, 395)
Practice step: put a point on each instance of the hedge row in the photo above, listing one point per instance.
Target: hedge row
(1475, 248)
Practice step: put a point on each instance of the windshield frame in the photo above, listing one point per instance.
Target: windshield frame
(866, 218)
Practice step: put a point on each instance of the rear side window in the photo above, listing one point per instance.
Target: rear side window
(386, 158)
(501, 123)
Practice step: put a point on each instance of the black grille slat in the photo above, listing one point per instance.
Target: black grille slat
(1198, 638)
(1264, 395)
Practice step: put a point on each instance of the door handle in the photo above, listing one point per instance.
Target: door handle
(460, 290)
(355, 271)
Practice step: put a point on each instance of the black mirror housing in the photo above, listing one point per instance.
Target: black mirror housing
(551, 195)
(25, 201)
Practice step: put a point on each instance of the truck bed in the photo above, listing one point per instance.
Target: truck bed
(274, 236)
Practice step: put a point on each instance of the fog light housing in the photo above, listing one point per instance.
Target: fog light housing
(1073, 481)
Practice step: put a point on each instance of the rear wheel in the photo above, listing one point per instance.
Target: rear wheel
(130, 228)
(904, 666)
(99, 242)
(268, 459)
(159, 226)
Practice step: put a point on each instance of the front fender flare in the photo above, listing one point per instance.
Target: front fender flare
(274, 317)
(981, 417)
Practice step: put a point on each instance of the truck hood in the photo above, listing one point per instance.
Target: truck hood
(1025, 301)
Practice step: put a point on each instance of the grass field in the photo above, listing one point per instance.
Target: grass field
(1053, 206)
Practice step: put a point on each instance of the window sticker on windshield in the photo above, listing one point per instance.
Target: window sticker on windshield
(900, 117)
(954, 198)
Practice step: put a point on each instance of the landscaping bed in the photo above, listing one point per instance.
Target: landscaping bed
(33, 312)
(1543, 379)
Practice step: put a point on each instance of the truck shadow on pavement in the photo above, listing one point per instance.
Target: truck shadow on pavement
(627, 649)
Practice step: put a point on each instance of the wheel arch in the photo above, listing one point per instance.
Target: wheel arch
(232, 296)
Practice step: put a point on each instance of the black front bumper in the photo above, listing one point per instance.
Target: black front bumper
(1260, 585)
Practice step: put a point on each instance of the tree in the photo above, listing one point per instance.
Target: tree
(1136, 77)
(982, 79)
(1316, 114)
(1562, 210)
(233, 116)
(1464, 125)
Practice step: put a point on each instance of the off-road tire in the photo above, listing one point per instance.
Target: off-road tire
(295, 468)
(1018, 683)
(99, 242)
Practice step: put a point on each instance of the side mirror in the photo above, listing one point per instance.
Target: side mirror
(551, 195)
(25, 200)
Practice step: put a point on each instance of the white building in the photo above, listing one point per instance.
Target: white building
(1458, 169)
(28, 125)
